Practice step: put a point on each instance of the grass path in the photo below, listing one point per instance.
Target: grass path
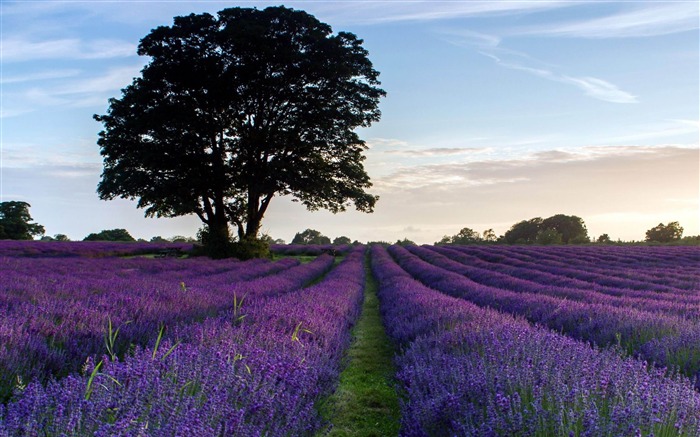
(365, 403)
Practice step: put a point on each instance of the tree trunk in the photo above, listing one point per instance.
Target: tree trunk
(218, 243)
(252, 227)
(257, 205)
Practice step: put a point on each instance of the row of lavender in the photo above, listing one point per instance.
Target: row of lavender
(310, 249)
(56, 312)
(472, 371)
(656, 268)
(256, 368)
(538, 272)
(97, 249)
(530, 280)
(662, 338)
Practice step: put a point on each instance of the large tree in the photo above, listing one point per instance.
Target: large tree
(571, 230)
(310, 236)
(110, 235)
(665, 233)
(523, 232)
(15, 222)
(234, 110)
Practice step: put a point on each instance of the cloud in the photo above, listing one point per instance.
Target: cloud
(667, 128)
(79, 155)
(592, 86)
(77, 92)
(663, 19)
(529, 167)
(20, 50)
(599, 89)
(113, 79)
(490, 46)
(439, 151)
(392, 12)
(588, 182)
(39, 76)
(464, 37)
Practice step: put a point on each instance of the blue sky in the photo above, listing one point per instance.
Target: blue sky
(496, 112)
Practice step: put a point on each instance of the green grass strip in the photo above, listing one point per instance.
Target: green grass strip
(365, 403)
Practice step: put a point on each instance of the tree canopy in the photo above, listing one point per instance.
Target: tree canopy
(464, 236)
(110, 235)
(236, 109)
(342, 240)
(310, 236)
(665, 233)
(559, 228)
(15, 222)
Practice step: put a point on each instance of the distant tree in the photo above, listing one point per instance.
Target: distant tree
(405, 242)
(341, 240)
(571, 228)
(489, 236)
(266, 238)
(548, 236)
(380, 242)
(61, 237)
(665, 233)
(15, 222)
(524, 232)
(159, 239)
(691, 240)
(236, 109)
(310, 236)
(464, 236)
(604, 239)
(446, 239)
(182, 239)
(279, 241)
(110, 235)
(46, 238)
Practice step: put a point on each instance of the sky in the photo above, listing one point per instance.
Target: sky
(496, 112)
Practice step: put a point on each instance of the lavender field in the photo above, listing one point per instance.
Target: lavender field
(488, 340)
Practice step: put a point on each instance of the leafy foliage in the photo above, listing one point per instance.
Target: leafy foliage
(549, 236)
(15, 222)
(405, 242)
(341, 240)
(310, 236)
(665, 233)
(570, 228)
(110, 235)
(464, 236)
(236, 109)
(523, 232)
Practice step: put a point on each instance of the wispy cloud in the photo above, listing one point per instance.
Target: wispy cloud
(20, 49)
(598, 88)
(439, 151)
(75, 93)
(113, 79)
(587, 182)
(39, 76)
(657, 19)
(525, 167)
(491, 47)
(382, 12)
(663, 129)
(592, 86)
